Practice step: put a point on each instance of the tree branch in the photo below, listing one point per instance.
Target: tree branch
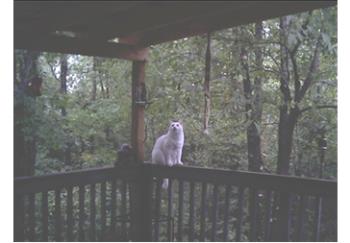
(246, 81)
(296, 75)
(269, 54)
(318, 107)
(301, 31)
(292, 54)
(265, 69)
(312, 70)
(270, 123)
(53, 71)
(285, 77)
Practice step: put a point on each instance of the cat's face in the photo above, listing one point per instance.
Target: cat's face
(175, 127)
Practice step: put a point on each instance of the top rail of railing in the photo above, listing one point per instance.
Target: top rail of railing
(309, 186)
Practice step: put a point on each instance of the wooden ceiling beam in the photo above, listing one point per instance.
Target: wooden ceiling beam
(108, 23)
(141, 24)
(82, 47)
(159, 15)
(230, 17)
(47, 17)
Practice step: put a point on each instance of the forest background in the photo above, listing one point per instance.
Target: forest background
(259, 97)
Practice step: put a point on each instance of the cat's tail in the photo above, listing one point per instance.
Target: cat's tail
(165, 183)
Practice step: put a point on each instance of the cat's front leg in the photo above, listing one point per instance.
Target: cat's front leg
(168, 160)
(178, 159)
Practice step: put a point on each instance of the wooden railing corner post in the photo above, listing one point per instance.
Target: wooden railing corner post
(138, 104)
(141, 206)
(18, 227)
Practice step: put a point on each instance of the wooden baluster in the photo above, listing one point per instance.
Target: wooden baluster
(318, 217)
(301, 218)
(127, 211)
(157, 208)
(31, 217)
(253, 214)
(170, 230)
(283, 217)
(226, 211)
(92, 231)
(114, 206)
(181, 206)
(214, 213)
(332, 204)
(128, 188)
(240, 214)
(18, 217)
(58, 223)
(191, 219)
(259, 216)
(123, 208)
(267, 230)
(81, 212)
(103, 210)
(44, 217)
(70, 214)
(203, 211)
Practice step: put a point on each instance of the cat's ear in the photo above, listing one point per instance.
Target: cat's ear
(177, 120)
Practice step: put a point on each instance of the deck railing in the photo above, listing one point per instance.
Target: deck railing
(200, 204)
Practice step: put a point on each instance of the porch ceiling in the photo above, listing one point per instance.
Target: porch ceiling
(88, 27)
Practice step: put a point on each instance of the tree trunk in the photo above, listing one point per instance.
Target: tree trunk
(107, 88)
(24, 144)
(207, 87)
(94, 79)
(95, 67)
(253, 108)
(289, 114)
(289, 111)
(63, 79)
(280, 227)
(63, 90)
(257, 115)
(257, 101)
(288, 120)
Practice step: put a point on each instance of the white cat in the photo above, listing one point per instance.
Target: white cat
(168, 148)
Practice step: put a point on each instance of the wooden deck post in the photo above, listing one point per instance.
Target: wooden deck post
(18, 218)
(141, 211)
(138, 108)
(141, 188)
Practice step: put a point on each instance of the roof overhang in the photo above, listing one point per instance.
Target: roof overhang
(90, 27)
